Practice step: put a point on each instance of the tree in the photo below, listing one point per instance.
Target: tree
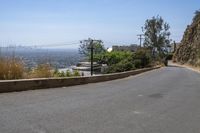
(85, 47)
(156, 32)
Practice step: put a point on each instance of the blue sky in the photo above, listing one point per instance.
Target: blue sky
(39, 22)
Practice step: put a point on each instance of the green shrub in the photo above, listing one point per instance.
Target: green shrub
(120, 61)
(62, 74)
(144, 56)
(68, 73)
(76, 73)
(114, 57)
(56, 73)
(122, 66)
(137, 63)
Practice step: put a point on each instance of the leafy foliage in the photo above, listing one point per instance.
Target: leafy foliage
(120, 61)
(76, 73)
(68, 73)
(122, 66)
(156, 34)
(113, 57)
(142, 58)
(85, 47)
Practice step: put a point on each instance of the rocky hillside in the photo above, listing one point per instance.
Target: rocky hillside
(189, 49)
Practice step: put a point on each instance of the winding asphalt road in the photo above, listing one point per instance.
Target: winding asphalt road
(166, 100)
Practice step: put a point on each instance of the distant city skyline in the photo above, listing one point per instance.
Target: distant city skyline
(43, 22)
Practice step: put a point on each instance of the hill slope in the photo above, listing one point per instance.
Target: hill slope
(189, 49)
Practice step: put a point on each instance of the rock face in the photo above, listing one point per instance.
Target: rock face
(189, 49)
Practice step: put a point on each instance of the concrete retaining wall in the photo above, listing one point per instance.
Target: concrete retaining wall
(32, 84)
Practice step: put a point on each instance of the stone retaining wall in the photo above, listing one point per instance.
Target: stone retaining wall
(45, 83)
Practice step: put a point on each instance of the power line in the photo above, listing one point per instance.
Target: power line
(40, 46)
(75, 43)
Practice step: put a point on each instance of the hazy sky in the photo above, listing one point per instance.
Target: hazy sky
(38, 22)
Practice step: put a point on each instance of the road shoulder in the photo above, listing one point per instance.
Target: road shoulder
(195, 69)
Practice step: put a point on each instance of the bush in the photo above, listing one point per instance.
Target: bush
(41, 71)
(76, 73)
(62, 74)
(120, 61)
(114, 57)
(142, 58)
(56, 73)
(68, 73)
(11, 69)
(137, 63)
(122, 66)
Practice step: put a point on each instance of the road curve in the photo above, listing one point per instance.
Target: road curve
(166, 100)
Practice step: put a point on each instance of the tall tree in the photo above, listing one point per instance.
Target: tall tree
(156, 32)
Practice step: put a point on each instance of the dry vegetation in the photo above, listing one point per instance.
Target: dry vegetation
(13, 68)
(41, 71)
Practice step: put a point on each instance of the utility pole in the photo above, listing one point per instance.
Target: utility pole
(91, 48)
(91, 43)
(140, 38)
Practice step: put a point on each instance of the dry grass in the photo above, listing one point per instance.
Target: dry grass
(41, 71)
(11, 68)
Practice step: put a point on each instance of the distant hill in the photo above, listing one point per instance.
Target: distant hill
(189, 49)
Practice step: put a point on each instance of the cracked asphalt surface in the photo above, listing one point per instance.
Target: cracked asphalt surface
(166, 100)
